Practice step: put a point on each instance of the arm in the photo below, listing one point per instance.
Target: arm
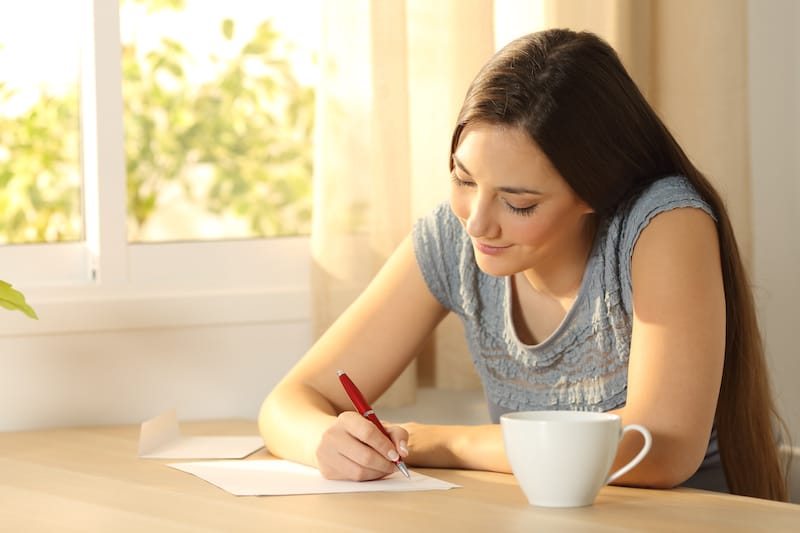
(677, 346)
(308, 417)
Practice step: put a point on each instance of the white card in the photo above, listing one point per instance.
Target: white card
(160, 438)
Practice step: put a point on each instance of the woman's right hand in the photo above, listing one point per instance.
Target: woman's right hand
(353, 448)
(375, 339)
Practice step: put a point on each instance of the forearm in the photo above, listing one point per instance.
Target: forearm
(292, 420)
(481, 448)
(468, 447)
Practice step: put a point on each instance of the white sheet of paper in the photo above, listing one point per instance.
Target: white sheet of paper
(160, 438)
(276, 477)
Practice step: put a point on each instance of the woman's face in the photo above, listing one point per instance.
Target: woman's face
(517, 209)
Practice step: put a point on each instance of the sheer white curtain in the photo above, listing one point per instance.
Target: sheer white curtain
(394, 73)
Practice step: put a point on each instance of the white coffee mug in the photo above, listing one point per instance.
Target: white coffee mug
(562, 458)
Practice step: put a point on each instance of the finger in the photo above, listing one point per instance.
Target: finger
(369, 434)
(333, 464)
(399, 437)
(341, 453)
(366, 461)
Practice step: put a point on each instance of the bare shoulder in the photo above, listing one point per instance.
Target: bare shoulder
(679, 235)
(401, 272)
(378, 334)
(397, 295)
(676, 259)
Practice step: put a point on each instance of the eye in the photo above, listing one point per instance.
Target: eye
(458, 182)
(523, 211)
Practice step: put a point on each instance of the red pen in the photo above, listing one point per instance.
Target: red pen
(365, 410)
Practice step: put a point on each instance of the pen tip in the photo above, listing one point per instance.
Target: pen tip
(339, 372)
(402, 466)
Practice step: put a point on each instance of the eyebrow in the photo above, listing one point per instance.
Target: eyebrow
(511, 190)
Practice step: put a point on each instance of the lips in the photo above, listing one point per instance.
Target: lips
(488, 249)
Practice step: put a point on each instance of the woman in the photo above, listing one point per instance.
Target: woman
(594, 268)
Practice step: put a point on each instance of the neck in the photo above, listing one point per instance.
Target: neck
(560, 278)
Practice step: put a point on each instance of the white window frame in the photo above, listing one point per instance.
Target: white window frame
(106, 283)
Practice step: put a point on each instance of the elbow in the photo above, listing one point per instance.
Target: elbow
(669, 476)
(266, 420)
(663, 469)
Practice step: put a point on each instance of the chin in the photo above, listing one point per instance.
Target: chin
(493, 268)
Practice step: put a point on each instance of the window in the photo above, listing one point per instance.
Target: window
(40, 196)
(218, 117)
(175, 173)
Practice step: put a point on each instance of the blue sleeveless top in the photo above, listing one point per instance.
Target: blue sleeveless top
(583, 364)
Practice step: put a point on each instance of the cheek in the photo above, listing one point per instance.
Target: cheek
(526, 232)
(533, 230)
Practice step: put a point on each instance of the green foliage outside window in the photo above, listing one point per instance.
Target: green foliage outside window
(247, 133)
(39, 187)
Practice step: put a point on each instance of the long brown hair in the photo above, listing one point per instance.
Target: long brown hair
(573, 96)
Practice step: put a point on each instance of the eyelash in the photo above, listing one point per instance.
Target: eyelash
(522, 211)
(459, 182)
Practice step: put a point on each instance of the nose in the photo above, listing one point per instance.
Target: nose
(480, 222)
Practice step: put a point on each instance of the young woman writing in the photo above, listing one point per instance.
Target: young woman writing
(594, 268)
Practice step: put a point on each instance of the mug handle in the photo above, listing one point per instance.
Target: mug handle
(648, 442)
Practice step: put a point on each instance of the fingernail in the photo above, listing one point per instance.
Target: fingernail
(403, 447)
(393, 455)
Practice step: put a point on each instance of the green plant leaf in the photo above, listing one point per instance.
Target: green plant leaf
(12, 299)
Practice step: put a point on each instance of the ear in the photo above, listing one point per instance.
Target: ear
(585, 208)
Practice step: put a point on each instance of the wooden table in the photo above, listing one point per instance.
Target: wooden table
(90, 479)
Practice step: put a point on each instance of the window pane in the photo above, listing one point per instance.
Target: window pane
(219, 110)
(40, 179)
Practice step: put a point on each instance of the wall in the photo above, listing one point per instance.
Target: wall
(210, 341)
(774, 85)
(113, 377)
